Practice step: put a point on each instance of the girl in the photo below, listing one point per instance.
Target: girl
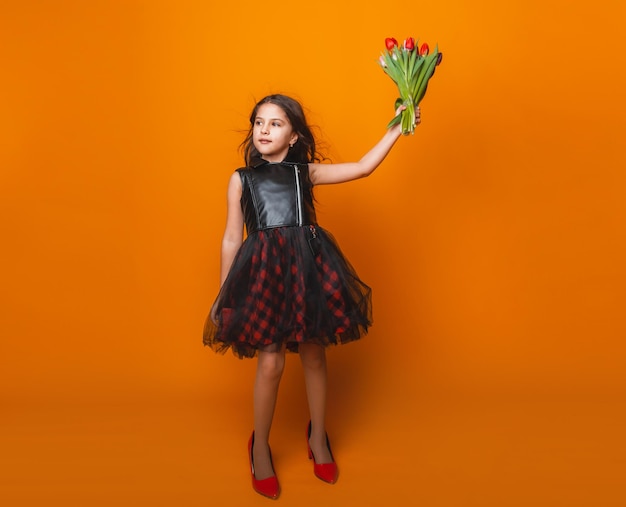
(287, 287)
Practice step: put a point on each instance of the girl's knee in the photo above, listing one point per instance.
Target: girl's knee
(313, 356)
(271, 364)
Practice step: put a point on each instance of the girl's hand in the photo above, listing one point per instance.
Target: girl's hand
(418, 116)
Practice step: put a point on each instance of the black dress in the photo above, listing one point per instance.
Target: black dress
(289, 283)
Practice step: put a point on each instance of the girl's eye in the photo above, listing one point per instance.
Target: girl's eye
(275, 124)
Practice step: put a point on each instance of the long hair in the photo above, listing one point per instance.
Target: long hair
(304, 150)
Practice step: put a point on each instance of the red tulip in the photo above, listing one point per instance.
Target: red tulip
(390, 42)
(424, 49)
(409, 44)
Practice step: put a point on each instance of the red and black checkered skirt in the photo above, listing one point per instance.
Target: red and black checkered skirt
(287, 286)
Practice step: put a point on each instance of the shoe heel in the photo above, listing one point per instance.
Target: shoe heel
(267, 487)
(327, 472)
(308, 446)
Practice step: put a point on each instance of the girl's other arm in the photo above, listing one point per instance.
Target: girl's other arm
(233, 233)
(324, 174)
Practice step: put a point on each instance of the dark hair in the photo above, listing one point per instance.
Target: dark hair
(303, 150)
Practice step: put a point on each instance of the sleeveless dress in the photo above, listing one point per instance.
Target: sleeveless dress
(289, 282)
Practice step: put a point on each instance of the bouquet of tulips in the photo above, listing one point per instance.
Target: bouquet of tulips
(410, 68)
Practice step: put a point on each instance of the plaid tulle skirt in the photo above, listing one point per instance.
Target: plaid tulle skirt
(287, 286)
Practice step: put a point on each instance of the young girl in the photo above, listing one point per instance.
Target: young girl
(287, 287)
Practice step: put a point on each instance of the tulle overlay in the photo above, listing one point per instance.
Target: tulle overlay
(281, 291)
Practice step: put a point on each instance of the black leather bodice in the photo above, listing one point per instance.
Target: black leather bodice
(276, 195)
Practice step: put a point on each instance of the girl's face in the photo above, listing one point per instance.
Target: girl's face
(272, 133)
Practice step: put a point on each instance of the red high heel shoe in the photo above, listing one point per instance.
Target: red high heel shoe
(267, 487)
(328, 472)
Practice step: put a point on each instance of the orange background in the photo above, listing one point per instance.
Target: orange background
(493, 239)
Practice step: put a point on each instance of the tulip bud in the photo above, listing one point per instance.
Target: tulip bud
(409, 44)
(424, 49)
(390, 43)
(439, 58)
(381, 60)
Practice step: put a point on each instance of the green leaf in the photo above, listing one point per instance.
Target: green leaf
(411, 63)
(396, 119)
(392, 67)
(425, 75)
(419, 65)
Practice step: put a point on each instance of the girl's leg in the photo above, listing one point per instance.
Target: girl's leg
(313, 359)
(270, 367)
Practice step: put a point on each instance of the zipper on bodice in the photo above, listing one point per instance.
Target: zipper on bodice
(296, 172)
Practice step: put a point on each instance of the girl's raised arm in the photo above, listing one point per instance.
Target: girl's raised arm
(325, 174)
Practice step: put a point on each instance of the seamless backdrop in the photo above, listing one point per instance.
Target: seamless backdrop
(493, 239)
